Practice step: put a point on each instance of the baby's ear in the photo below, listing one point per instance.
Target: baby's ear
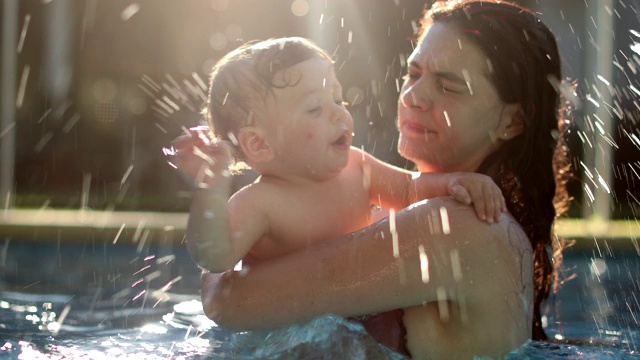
(254, 145)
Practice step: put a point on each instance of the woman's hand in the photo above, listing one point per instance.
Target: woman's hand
(479, 190)
(202, 162)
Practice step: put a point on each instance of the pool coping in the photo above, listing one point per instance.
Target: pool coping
(76, 225)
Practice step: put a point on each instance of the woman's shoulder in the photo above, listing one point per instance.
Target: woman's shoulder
(459, 227)
(480, 255)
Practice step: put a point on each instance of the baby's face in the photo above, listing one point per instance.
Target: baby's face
(307, 124)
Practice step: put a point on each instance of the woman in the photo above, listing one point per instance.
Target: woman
(480, 95)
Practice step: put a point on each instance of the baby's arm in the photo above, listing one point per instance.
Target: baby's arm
(220, 233)
(214, 239)
(396, 188)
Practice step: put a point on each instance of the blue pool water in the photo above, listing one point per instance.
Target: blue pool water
(123, 302)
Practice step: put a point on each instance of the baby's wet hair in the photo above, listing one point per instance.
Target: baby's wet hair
(241, 81)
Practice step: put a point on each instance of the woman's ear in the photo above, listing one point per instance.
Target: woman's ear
(511, 123)
(254, 144)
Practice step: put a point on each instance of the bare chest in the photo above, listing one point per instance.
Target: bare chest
(315, 214)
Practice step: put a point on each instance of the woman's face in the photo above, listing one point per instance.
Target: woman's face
(450, 117)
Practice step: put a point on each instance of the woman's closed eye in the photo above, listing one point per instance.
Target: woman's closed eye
(448, 89)
(411, 76)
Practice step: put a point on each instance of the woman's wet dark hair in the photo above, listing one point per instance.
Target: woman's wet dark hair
(532, 168)
(242, 79)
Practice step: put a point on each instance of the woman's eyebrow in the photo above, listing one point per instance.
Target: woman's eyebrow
(447, 75)
(450, 76)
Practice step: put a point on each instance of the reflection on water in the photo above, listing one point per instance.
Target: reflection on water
(183, 332)
(98, 302)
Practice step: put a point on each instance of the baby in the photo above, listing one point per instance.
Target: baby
(277, 107)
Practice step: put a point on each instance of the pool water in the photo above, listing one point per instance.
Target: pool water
(89, 300)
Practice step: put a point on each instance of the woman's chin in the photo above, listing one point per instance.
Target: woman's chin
(418, 154)
(411, 149)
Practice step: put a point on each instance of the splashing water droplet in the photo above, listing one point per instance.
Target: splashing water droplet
(443, 303)
(23, 86)
(129, 11)
(467, 79)
(444, 216)
(424, 264)
(23, 33)
(394, 233)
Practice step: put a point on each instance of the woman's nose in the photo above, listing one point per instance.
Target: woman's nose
(416, 96)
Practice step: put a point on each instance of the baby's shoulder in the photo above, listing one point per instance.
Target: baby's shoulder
(254, 191)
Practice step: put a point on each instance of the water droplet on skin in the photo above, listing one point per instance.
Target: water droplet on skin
(444, 216)
(394, 233)
(424, 264)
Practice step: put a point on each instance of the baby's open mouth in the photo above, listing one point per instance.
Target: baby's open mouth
(342, 141)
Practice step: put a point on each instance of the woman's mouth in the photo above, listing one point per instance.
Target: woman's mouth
(413, 128)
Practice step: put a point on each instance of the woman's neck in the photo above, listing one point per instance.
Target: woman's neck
(437, 168)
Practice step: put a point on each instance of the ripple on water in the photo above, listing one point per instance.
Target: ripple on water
(180, 330)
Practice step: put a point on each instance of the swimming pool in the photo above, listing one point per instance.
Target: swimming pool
(126, 301)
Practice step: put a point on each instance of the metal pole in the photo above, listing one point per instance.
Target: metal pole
(599, 68)
(8, 100)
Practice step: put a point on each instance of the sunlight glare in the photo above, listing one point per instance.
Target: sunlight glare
(300, 8)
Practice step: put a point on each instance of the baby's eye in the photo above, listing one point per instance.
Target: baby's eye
(315, 110)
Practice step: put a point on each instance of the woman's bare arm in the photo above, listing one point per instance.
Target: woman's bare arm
(375, 269)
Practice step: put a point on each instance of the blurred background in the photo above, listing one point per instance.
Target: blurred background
(92, 90)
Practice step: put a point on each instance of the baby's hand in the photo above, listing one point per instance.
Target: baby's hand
(201, 161)
(480, 190)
